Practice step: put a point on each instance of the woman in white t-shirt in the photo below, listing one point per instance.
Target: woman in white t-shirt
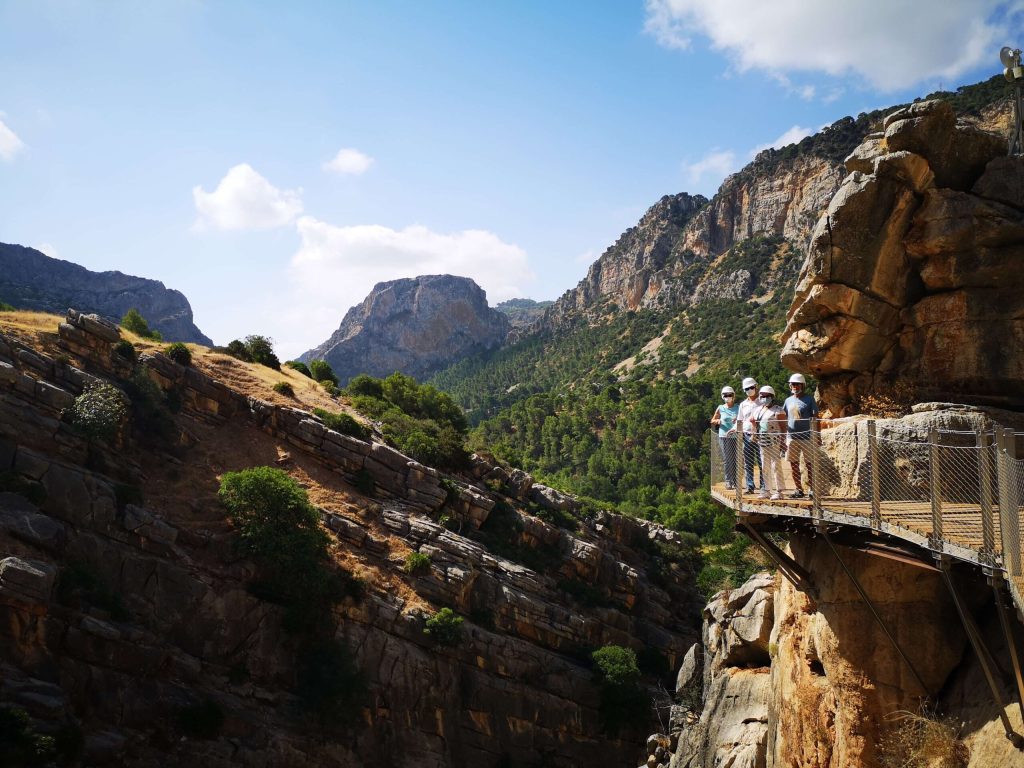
(771, 437)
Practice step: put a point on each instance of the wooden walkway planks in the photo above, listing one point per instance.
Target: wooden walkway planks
(961, 523)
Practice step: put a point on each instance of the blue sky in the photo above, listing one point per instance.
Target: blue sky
(273, 161)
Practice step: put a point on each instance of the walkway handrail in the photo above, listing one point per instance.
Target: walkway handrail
(958, 493)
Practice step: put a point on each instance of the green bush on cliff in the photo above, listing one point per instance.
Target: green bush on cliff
(444, 627)
(99, 411)
(416, 562)
(126, 351)
(322, 371)
(623, 703)
(280, 529)
(295, 365)
(179, 353)
(343, 423)
(255, 349)
(5, 307)
(416, 418)
(134, 321)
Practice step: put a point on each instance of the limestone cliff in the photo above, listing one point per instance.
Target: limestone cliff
(416, 326)
(909, 281)
(32, 280)
(805, 676)
(669, 259)
(127, 611)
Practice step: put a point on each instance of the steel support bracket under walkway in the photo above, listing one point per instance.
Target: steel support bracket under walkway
(788, 567)
(988, 665)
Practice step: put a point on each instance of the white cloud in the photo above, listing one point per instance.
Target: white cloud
(587, 257)
(792, 136)
(349, 161)
(48, 249)
(890, 43)
(336, 267)
(245, 200)
(10, 144)
(714, 167)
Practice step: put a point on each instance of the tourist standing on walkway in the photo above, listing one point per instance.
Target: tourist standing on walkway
(745, 424)
(800, 409)
(725, 420)
(771, 437)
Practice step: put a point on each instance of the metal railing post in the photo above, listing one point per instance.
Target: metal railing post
(1011, 516)
(1002, 488)
(741, 471)
(988, 537)
(876, 480)
(815, 483)
(936, 487)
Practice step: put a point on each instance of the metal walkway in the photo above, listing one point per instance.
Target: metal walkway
(952, 495)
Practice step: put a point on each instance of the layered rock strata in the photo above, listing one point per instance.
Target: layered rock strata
(908, 284)
(179, 626)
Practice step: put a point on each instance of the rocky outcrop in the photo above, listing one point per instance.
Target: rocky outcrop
(151, 615)
(632, 272)
(32, 280)
(727, 723)
(906, 282)
(416, 326)
(677, 255)
(806, 677)
(786, 202)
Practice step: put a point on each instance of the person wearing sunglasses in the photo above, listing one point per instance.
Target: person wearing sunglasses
(745, 424)
(725, 419)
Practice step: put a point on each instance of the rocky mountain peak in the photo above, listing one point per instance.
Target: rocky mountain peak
(413, 325)
(32, 280)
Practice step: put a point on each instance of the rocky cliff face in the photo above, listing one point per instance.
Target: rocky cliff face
(631, 273)
(125, 608)
(32, 280)
(668, 260)
(805, 676)
(908, 282)
(416, 326)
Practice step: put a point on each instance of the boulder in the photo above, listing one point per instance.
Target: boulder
(28, 579)
(905, 276)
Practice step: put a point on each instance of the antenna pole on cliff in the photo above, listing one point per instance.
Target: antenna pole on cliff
(1014, 73)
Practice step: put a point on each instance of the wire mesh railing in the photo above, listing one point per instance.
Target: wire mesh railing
(955, 491)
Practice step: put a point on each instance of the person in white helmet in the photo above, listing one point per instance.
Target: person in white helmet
(771, 437)
(745, 424)
(800, 409)
(725, 419)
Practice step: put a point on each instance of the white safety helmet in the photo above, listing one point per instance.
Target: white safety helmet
(749, 382)
(766, 390)
(727, 391)
(798, 378)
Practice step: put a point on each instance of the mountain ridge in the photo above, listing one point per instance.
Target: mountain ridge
(29, 279)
